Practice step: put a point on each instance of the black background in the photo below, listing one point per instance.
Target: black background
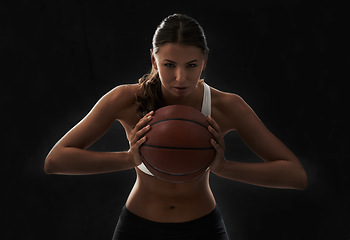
(288, 59)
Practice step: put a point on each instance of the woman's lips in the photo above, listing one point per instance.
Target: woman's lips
(180, 89)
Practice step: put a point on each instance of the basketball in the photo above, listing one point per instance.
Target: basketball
(178, 147)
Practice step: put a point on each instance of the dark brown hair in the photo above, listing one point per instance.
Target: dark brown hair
(176, 28)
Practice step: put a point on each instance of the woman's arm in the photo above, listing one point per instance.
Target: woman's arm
(280, 169)
(69, 155)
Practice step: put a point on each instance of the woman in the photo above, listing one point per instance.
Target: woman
(156, 209)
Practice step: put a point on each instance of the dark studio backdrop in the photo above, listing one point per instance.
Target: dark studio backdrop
(288, 59)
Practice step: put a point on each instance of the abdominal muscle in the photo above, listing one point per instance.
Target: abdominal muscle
(161, 201)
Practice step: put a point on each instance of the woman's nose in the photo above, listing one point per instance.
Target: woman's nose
(180, 75)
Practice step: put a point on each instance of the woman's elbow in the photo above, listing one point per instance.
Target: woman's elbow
(50, 166)
(302, 181)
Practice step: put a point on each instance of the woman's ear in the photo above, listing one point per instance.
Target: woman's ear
(153, 59)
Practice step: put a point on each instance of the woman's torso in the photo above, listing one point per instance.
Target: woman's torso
(161, 201)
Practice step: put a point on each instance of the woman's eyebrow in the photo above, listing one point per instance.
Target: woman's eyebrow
(192, 61)
(167, 60)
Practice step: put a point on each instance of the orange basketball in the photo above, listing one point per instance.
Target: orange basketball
(178, 147)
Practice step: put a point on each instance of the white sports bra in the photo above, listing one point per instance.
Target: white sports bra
(206, 110)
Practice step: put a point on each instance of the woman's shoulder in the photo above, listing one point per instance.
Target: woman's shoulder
(119, 99)
(124, 90)
(122, 94)
(227, 100)
(226, 108)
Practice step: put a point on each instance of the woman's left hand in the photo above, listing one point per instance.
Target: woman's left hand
(218, 143)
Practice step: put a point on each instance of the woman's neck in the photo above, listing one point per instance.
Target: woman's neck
(195, 99)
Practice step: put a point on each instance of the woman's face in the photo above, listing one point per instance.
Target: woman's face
(180, 67)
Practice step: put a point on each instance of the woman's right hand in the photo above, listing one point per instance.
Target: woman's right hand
(137, 138)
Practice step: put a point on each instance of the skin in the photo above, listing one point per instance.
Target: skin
(179, 67)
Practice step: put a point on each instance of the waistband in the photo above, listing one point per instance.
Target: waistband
(211, 219)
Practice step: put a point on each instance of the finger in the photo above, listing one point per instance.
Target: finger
(213, 131)
(143, 121)
(149, 114)
(140, 142)
(139, 134)
(141, 125)
(218, 147)
(217, 135)
(215, 144)
(213, 123)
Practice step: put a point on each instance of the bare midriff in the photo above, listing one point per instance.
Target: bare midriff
(161, 201)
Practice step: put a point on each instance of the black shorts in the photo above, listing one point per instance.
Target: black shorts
(132, 227)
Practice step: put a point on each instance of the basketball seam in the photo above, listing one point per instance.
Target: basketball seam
(179, 119)
(174, 174)
(178, 148)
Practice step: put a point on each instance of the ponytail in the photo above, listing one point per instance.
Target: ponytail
(150, 94)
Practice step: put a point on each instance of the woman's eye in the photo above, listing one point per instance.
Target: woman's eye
(170, 65)
(192, 65)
